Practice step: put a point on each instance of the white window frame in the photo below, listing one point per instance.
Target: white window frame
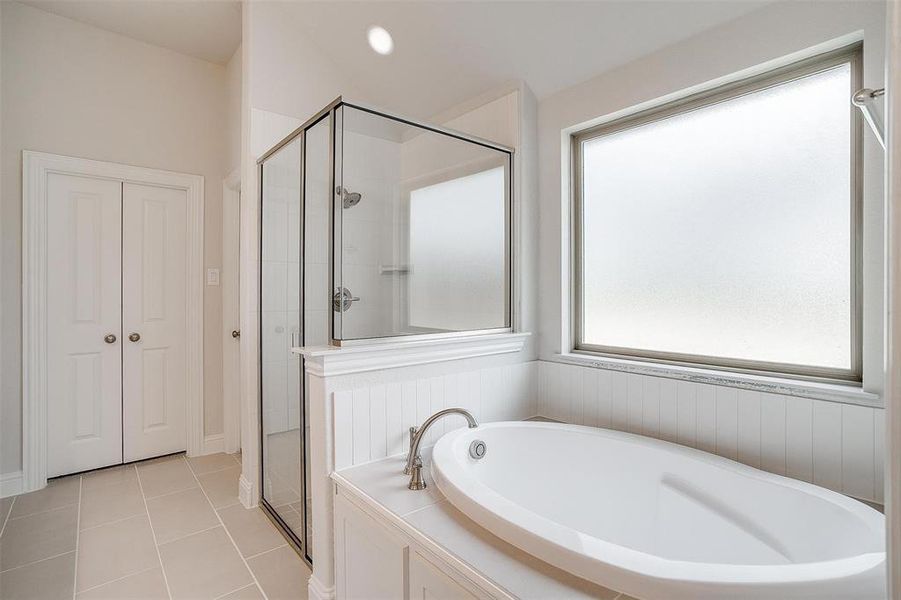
(852, 55)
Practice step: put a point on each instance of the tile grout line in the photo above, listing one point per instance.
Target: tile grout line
(214, 470)
(114, 522)
(228, 533)
(99, 585)
(77, 537)
(170, 493)
(252, 556)
(156, 546)
(230, 592)
(40, 512)
(6, 518)
(193, 533)
(34, 562)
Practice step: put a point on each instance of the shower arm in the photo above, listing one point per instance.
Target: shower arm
(863, 100)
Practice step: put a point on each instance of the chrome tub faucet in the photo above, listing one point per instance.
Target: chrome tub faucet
(414, 460)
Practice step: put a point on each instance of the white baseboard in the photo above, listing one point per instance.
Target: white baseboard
(317, 591)
(245, 492)
(11, 484)
(214, 443)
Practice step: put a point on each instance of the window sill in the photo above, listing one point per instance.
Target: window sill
(830, 392)
(325, 361)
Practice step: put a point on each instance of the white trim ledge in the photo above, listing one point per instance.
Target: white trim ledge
(830, 392)
(325, 361)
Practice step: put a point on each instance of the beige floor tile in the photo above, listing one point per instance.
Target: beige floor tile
(146, 585)
(39, 536)
(281, 574)
(176, 515)
(211, 462)
(58, 493)
(165, 476)
(221, 486)
(251, 592)
(50, 579)
(203, 565)
(251, 529)
(115, 550)
(112, 502)
(108, 476)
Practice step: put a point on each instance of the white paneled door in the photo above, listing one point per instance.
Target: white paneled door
(84, 412)
(116, 322)
(154, 299)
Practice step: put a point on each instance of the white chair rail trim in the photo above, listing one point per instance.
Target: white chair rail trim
(830, 392)
(325, 361)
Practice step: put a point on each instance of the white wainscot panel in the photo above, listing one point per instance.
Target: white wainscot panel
(373, 421)
(838, 446)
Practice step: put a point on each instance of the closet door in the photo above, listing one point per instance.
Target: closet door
(154, 297)
(84, 341)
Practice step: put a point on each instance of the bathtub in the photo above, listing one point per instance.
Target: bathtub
(661, 521)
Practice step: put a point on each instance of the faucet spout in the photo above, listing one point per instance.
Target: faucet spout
(414, 460)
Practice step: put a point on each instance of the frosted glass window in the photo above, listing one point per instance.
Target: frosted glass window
(725, 234)
(457, 253)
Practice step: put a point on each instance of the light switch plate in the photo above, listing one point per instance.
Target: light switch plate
(212, 276)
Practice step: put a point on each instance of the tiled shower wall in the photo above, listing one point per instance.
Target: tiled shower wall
(837, 446)
(372, 421)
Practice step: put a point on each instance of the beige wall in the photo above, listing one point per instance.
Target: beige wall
(233, 110)
(69, 88)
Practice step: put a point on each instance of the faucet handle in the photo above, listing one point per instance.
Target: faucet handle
(413, 431)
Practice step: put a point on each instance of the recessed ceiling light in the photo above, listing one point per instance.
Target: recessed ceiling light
(380, 40)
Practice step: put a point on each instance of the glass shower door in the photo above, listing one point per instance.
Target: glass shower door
(283, 482)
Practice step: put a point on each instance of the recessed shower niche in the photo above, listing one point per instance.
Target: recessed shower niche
(373, 228)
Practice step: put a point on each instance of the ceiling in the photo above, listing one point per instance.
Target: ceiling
(448, 52)
(206, 29)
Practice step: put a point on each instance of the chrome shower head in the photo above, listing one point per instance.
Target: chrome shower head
(350, 199)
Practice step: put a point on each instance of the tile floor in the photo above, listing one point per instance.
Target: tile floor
(165, 528)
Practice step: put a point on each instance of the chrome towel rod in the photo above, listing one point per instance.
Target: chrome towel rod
(862, 100)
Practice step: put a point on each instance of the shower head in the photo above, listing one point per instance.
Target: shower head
(349, 198)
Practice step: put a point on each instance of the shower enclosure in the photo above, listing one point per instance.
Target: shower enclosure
(372, 228)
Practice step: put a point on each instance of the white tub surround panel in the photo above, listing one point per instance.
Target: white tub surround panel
(365, 415)
(383, 528)
(373, 421)
(837, 446)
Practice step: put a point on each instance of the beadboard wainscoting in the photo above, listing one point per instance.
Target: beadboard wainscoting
(837, 446)
(373, 421)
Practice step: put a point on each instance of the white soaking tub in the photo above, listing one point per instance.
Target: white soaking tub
(661, 521)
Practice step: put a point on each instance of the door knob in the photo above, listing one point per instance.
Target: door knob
(134, 336)
(236, 333)
(109, 338)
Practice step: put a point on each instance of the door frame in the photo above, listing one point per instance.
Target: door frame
(36, 166)
(231, 314)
